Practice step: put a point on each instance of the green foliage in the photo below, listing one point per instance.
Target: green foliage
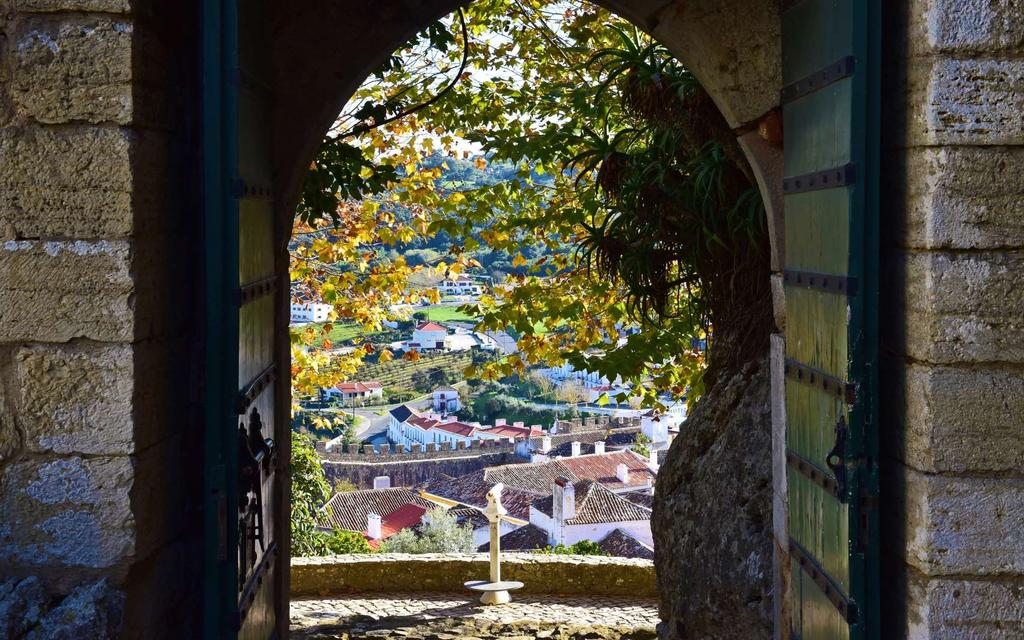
(641, 445)
(339, 542)
(309, 492)
(581, 548)
(443, 534)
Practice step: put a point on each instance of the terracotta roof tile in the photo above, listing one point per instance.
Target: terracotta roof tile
(597, 505)
(526, 538)
(348, 510)
(620, 543)
(430, 326)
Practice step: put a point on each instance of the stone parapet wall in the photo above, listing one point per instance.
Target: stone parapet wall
(411, 470)
(369, 453)
(952, 323)
(540, 574)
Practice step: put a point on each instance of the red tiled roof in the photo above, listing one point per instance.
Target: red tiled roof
(525, 538)
(602, 468)
(620, 543)
(348, 510)
(508, 431)
(597, 505)
(358, 387)
(458, 428)
(404, 516)
(430, 326)
(471, 489)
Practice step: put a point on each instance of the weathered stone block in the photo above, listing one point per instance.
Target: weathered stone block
(958, 420)
(72, 68)
(66, 512)
(70, 182)
(964, 198)
(965, 102)
(446, 572)
(76, 399)
(964, 307)
(966, 26)
(962, 526)
(959, 608)
(103, 6)
(57, 291)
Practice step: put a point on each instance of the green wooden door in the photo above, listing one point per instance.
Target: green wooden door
(244, 472)
(830, 98)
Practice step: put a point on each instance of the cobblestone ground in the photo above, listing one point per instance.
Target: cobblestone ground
(453, 616)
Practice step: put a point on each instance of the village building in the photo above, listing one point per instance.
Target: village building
(376, 513)
(356, 392)
(428, 336)
(445, 399)
(407, 427)
(303, 312)
(586, 510)
(461, 286)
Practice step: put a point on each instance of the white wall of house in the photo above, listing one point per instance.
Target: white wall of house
(429, 339)
(571, 534)
(310, 312)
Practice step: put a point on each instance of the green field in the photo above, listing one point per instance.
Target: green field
(446, 313)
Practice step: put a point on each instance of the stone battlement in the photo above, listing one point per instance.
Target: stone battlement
(430, 451)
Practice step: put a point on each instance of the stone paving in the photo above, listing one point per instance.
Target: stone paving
(449, 616)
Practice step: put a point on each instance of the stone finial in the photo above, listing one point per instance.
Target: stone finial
(574, 449)
(599, 446)
(417, 447)
(352, 448)
(461, 444)
(400, 448)
(369, 450)
(385, 449)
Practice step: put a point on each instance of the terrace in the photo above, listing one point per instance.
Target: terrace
(422, 596)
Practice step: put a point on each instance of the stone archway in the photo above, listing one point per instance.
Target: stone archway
(323, 51)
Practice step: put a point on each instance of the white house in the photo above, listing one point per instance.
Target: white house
(446, 400)
(461, 286)
(310, 312)
(356, 392)
(428, 336)
(407, 427)
(586, 510)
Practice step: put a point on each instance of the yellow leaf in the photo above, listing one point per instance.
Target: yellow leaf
(519, 260)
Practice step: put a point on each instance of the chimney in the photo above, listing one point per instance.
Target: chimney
(382, 482)
(519, 424)
(652, 460)
(563, 501)
(599, 446)
(545, 444)
(622, 473)
(574, 449)
(499, 422)
(374, 526)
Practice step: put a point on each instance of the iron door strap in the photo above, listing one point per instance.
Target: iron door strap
(828, 586)
(836, 459)
(806, 374)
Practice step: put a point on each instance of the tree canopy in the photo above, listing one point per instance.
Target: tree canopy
(623, 200)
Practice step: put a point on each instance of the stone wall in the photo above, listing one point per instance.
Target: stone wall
(411, 469)
(398, 572)
(97, 244)
(953, 325)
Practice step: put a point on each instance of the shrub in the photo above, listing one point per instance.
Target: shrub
(581, 548)
(443, 534)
